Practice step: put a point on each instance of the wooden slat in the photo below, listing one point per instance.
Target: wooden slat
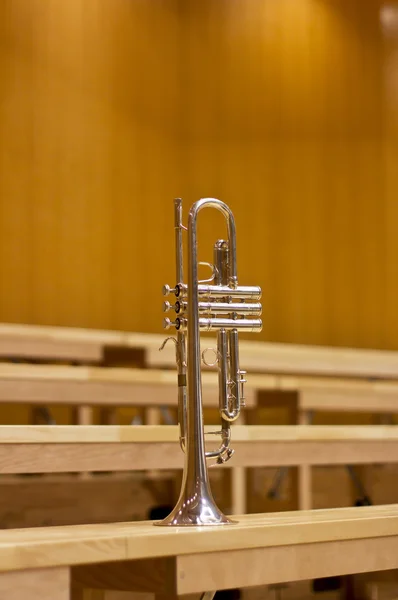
(348, 401)
(292, 562)
(319, 360)
(84, 544)
(87, 345)
(53, 384)
(37, 501)
(36, 584)
(47, 449)
(109, 434)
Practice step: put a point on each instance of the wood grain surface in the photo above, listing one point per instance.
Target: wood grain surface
(88, 345)
(84, 544)
(47, 449)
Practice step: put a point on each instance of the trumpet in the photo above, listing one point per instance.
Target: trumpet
(219, 304)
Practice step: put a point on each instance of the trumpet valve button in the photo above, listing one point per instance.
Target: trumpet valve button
(178, 323)
(167, 323)
(166, 306)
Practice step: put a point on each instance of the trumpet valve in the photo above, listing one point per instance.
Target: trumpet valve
(167, 290)
(178, 323)
(167, 323)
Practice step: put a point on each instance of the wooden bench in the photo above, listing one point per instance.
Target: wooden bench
(59, 384)
(85, 387)
(65, 449)
(90, 345)
(78, 345)
(60, 449)
(314, 394)
(258, 550)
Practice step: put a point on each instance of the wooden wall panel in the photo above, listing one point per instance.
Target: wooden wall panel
(389, 23)
(286, 110)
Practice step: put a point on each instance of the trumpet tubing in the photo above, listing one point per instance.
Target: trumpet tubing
(247, 292)
(227, 308)
(217, 308)
(210, 324)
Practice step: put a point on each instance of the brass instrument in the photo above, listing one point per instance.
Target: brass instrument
(219, 304)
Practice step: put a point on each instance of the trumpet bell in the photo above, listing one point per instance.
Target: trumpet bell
(198, 509)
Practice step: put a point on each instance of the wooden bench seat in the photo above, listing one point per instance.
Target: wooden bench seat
(57, 449)
(98, 449)
(96, 386)
(61, 384)
(84, 387)
(89, 345)
(258, 550)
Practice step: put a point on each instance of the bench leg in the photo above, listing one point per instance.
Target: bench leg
(203, 596)
(304, 473)
(239, 483)
(36, 584)
(116, 595)
(91, 594)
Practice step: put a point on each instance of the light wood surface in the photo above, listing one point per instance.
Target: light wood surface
(88, 345)
(38, 584)
(61, 384)
(84, 544)
(72, 343)
(36, 449)
(263, 357)
(64, 499)
(108, 434)
(53, 384)
(139, 556)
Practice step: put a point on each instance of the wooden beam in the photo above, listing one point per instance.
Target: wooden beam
(375, 527)
(87, 345)
(265, 566)
(38, 501)
(57, 449)
(36, 584)
(66, 385)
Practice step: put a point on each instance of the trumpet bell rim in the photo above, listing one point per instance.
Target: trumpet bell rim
(195, 514)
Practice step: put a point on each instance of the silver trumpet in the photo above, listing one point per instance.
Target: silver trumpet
(216, 304)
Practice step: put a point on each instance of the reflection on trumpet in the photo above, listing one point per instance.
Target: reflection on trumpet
(226, 307)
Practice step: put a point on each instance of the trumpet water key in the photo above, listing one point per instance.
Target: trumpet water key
(218, 304)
